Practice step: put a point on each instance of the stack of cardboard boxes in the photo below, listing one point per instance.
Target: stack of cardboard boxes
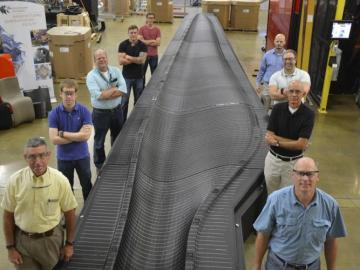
(235, 14)
(119, 7)
(163, 10)
(70, 51)
(220, 8)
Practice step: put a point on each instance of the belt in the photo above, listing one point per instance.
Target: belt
(38, 235)
(293, 265)
(108, 110)
(285, 158)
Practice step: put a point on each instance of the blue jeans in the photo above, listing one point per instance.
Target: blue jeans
(137, 86)
(82, 167)
(274, 263)
(151, 61)
(103, 120)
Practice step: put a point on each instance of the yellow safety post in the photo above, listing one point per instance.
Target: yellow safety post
(301, 34)
(329, 70)
(308, 35)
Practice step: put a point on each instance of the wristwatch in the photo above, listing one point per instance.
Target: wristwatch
(69, 243)
(61, 134)
(10, 246)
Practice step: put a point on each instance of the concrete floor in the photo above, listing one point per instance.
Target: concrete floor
(335, 142)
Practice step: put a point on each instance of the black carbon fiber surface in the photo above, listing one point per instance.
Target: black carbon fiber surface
(186, 168)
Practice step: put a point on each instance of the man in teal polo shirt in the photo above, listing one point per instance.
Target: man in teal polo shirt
(69, 129)
(297, 223)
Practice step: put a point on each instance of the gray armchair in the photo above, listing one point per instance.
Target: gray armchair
(23, 110)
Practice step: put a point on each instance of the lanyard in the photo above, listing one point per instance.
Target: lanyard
(111, 82)
(104, 78)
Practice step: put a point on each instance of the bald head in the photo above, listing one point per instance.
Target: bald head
(305, 177)
(280, 36)
(305, 164)
(279, 42)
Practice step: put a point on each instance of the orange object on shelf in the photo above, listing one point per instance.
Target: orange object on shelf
(7, 66)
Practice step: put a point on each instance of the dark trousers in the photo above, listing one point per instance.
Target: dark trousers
(82, 167)
(274, 263)
(103, 121)
(151, 61)
(138, 87)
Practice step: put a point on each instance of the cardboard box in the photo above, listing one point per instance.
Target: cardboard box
(221, 9)
(79, 20)
(119, 7)
(163, 10)
(62, 19)
(132, 5)
(245, 15)
(70, 51)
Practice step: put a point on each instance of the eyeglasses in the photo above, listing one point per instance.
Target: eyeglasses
(68, 93)
(309, 174)
(294, 91)
(289, 58)
(35, 156)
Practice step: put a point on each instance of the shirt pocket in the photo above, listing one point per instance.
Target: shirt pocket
(318, 231)
(287, 226)
(51, 206)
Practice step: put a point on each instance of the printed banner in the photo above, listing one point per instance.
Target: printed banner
(23, 32)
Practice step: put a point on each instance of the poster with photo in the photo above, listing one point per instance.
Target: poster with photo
(23, 31)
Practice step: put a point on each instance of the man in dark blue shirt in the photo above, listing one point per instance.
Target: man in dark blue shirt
(69, 128)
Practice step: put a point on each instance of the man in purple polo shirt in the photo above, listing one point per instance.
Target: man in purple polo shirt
(69, 129)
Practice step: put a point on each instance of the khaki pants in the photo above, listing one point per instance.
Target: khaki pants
(277, 172)
(39, 254)
(265, 98)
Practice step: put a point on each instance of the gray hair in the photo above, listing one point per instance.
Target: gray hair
(99, 51)
(35, 142)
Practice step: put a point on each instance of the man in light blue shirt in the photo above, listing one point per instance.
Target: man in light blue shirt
(297, 223)
(106, 86)
(271, 62)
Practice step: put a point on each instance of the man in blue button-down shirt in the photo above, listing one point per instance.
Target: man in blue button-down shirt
(271, 62)
(297, 222)
(107, 87)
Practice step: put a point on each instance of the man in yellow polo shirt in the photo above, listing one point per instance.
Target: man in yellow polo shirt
(33, 203)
